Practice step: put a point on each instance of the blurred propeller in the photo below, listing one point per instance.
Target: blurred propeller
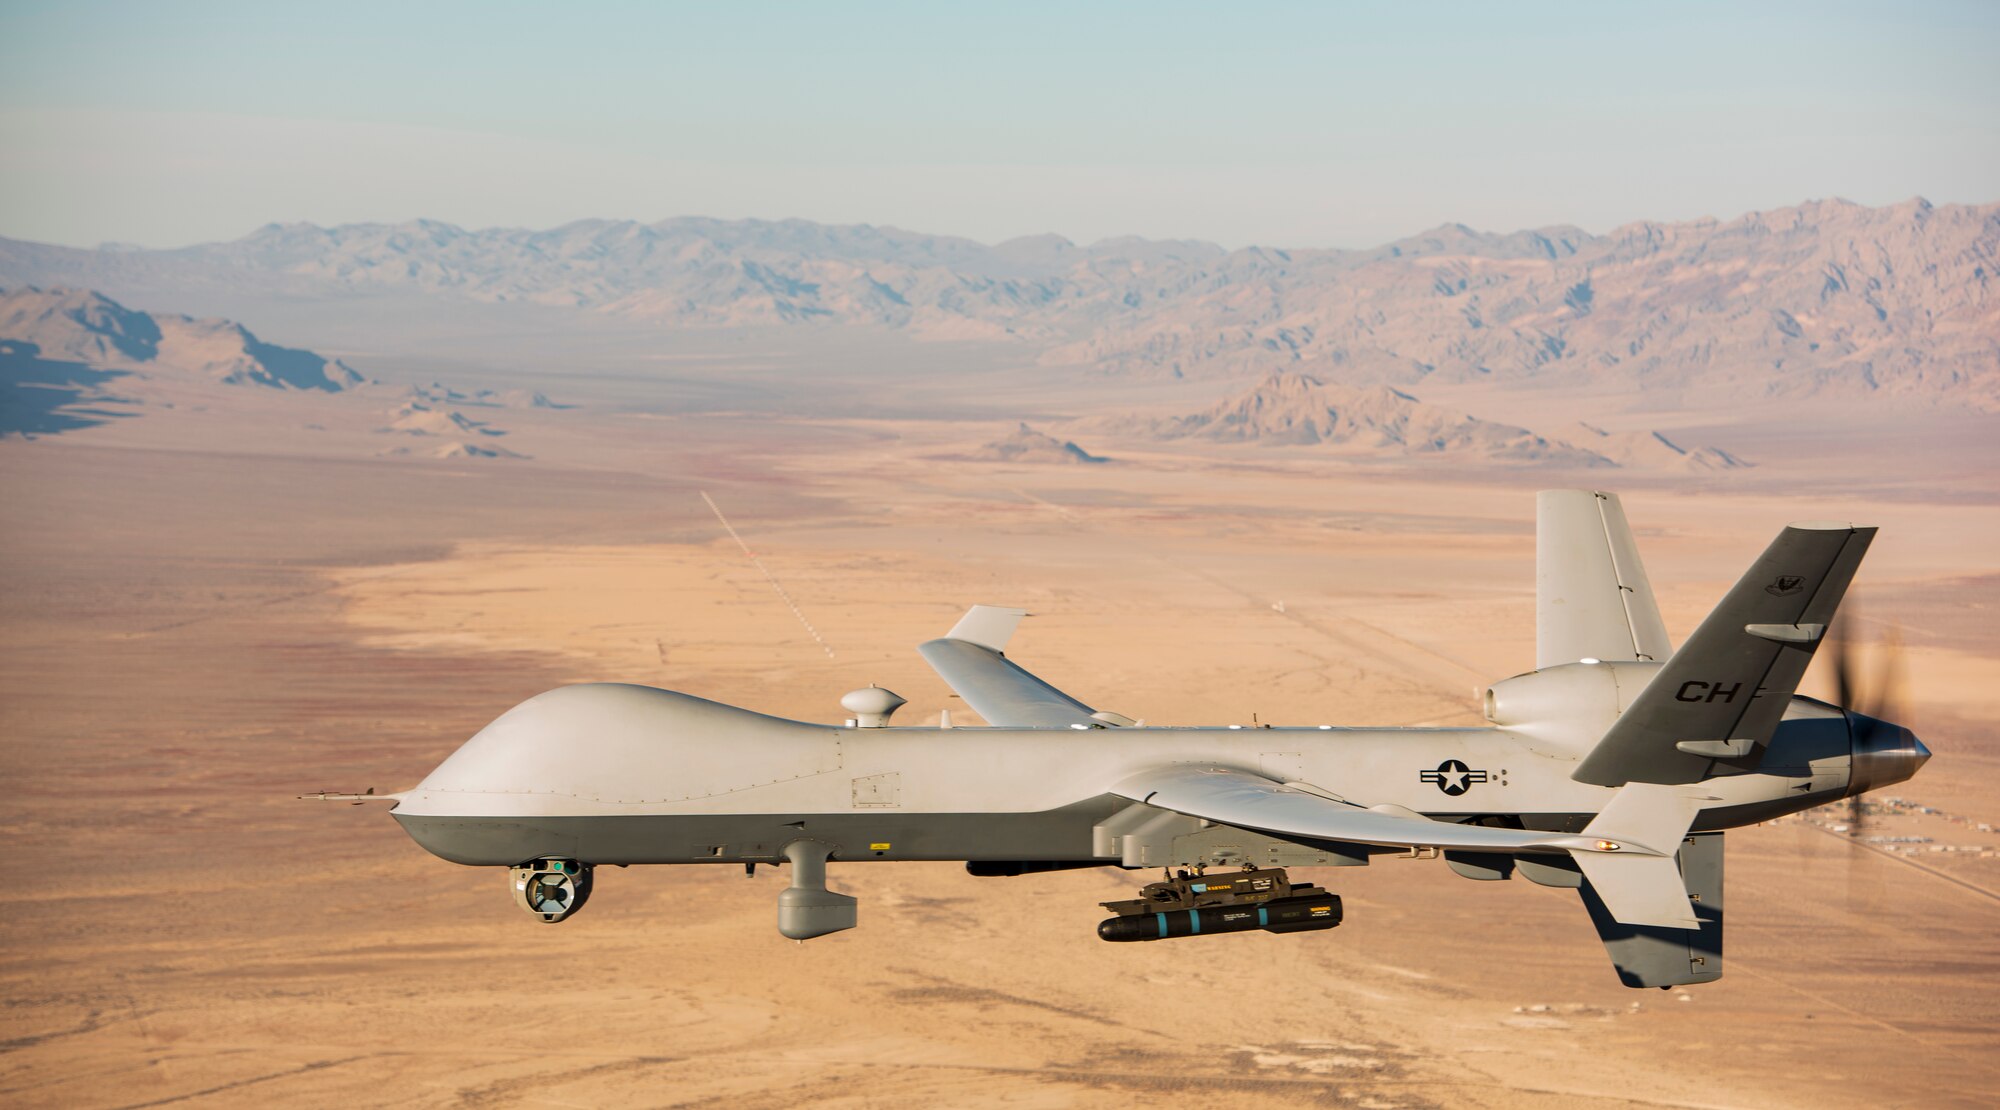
(1878, 698)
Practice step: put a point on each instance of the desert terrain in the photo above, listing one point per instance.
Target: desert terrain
(224, 593)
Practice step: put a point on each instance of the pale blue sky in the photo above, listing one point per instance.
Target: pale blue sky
(1283, 124)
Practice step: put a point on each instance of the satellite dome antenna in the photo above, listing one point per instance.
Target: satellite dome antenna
(872, 706)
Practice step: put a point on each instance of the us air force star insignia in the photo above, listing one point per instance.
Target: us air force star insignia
(1453, 777)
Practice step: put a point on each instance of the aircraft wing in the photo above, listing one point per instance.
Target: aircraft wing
(1250, 801)
(1627, 852)
(971, 660)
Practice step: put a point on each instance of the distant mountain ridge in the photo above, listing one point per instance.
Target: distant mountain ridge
(1295, 410)
(74, 358)
(1290, 409)
(84, 326)
(1826, 297)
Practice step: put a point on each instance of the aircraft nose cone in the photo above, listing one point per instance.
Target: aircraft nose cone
(1883, 753)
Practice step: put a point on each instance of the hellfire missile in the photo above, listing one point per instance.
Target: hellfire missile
(1238, 901)
(1285, 915)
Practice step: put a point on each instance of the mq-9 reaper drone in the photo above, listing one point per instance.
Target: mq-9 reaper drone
(1613, 768)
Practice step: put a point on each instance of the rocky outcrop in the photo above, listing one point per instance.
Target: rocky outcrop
(1297, 410)
(1026, 445)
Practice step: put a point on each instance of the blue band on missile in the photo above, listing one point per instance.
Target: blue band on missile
(1263, 916)
(1194, 922)
(1163, 923)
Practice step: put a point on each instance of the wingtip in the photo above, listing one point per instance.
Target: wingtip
(989, 626)
(1826, 526)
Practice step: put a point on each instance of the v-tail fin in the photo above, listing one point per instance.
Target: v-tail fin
(1656, 956)
(1592, 599)
(1723, 693)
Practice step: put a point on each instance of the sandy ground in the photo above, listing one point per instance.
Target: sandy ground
(198, 628)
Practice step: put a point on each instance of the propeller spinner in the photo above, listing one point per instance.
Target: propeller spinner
(1883, 752)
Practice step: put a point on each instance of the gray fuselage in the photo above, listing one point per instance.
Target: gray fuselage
(621, 774)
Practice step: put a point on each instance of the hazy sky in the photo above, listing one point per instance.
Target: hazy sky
(1321, 124)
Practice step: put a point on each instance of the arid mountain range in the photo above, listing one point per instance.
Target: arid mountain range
(1290, 409)
(74, 358)
(60, 347)
(1827, 298)
(85, 327)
